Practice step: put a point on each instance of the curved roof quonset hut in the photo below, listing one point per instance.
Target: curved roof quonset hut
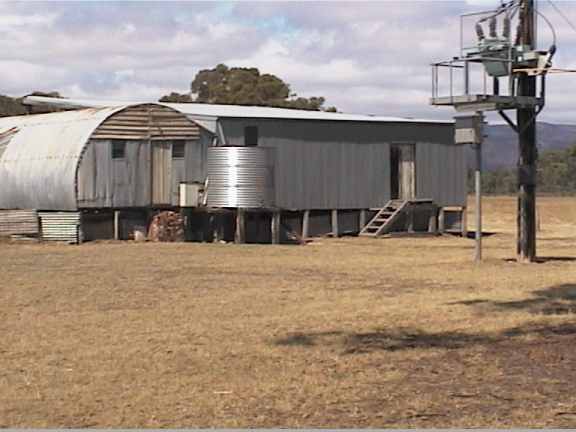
(47, 160)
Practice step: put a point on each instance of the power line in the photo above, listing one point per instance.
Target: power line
(552, 29)
(557, 9)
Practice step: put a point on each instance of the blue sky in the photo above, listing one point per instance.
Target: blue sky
(364, 57)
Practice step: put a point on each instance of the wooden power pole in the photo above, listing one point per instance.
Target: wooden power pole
(526, 121)
(523, 65)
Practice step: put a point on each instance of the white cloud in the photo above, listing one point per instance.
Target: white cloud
(8, 20)
(368, 57)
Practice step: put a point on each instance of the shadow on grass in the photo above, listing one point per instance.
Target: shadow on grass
(405, 339)
(556, 300)
(544, 260)
(384, 340)
(303, 339)
(408, 339)
(472, 234)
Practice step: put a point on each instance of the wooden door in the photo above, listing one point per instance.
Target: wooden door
(407, 172)
(161, 172)
(403, 171)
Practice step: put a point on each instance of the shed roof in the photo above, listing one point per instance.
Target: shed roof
(39, 163)
(210, 112)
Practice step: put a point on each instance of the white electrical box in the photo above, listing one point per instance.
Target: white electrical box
(191, 194)
(469, 129)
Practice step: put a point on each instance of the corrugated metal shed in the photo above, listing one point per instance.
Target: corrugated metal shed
(40, 154)
(38, 167)
(332, 160)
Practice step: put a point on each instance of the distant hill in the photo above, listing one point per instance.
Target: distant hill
(10, 106)
(501, 145)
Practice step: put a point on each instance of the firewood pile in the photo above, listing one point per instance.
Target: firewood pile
(166, 226)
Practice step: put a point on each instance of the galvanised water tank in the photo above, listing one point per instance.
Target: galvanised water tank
(241, 177)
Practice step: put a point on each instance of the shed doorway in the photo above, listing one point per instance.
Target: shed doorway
(161, 172)
(403, 171)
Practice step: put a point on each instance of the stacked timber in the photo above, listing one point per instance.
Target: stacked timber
(61, 226)
(166, 226)
(19, 224)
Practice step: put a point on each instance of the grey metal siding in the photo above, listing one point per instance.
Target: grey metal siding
(193, 167)
(346, 165)
(104, 182)
(320, 175)
(107, 182)
(319, 165)
(441, 173)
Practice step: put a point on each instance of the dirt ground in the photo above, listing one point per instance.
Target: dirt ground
(348, 332)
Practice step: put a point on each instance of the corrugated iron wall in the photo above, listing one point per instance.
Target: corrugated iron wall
(61, 227)
(107, 182)
(104, 182)
(346, 165)
(19, 224)
(441, 173)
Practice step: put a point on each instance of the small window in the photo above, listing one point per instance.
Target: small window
(118, 149)
(251, 136)
(178, 150)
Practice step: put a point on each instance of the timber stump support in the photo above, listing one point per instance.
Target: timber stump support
(334, 217)
(305, 224)
(240, 234)
(275, 226)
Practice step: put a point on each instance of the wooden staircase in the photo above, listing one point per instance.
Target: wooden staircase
(385, 218)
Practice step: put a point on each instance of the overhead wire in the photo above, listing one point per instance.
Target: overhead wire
(562, 14)
(552, 29)
(504, 8)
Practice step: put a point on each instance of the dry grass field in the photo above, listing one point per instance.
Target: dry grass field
(349, 332)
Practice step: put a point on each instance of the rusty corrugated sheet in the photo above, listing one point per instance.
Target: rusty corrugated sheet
(19, 224)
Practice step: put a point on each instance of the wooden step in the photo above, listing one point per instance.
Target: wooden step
(384, 219)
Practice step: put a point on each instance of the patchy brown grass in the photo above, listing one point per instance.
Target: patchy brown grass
(340, 333)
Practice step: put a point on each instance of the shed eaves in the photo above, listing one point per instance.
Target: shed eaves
(210, 111)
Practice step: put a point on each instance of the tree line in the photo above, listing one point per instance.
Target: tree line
(219, 85)
(10, 106)
(244, 86)
(556, 174)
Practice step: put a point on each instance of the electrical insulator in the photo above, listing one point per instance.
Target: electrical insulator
(506, 28)
(492, 27)
(480, 32)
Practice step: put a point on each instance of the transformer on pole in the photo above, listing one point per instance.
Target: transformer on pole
(499, 71)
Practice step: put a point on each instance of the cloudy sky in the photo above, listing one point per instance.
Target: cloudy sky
(364, 57)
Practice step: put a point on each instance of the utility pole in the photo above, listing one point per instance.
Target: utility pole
(523, 65)
(478, 187)
(526, 121)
